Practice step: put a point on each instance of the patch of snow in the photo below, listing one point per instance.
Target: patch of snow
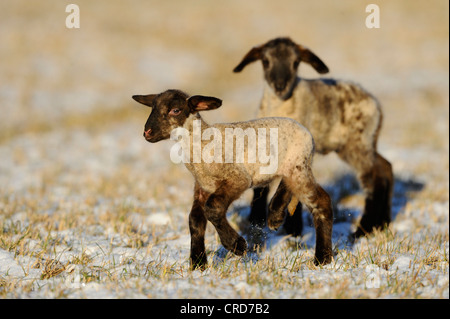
(402, 264)
(9, 266)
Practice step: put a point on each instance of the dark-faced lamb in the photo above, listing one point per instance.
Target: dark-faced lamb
(341, 116)
(221, 180)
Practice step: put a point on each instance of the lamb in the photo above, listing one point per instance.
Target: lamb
(341, 116)
(219, 182)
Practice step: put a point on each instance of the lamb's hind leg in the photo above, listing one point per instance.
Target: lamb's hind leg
(318, 202)
(378, 183)
(376, 178)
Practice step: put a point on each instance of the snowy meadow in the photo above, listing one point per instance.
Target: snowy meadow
(89, 209)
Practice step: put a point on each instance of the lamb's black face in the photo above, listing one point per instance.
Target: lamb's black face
(170, 110)
(280, 63)
(280, 58)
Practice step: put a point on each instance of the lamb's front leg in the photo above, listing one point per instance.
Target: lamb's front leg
(215, 210)
(197, 227)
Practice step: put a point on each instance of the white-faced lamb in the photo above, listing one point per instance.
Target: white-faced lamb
(220, 181)
(341, 116)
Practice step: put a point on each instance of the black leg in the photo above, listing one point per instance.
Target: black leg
(377, 210)
(293, 225)
(258, 206)
(197, 227)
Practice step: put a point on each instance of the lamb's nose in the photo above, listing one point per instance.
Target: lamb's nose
(147, 133)
(279, 86)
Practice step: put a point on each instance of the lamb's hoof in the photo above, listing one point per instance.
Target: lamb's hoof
(275, 219)
(357, 234)
(199, 263)
(361, 232)
(322, 259)
(239, 247)
(273, 222)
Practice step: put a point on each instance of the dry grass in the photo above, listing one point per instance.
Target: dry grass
(89, 210)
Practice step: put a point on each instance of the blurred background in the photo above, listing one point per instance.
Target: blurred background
(56, 81)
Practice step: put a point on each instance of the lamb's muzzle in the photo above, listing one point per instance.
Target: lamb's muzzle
(147, 133)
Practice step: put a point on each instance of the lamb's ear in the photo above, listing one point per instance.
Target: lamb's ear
(203, 103)
(145, 99)
(254, 54)
(309, 57)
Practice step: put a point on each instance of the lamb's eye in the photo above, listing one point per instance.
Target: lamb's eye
(265, 62)
(296, 63)
(174, 112)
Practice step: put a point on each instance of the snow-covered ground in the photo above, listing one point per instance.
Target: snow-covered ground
(87, 226)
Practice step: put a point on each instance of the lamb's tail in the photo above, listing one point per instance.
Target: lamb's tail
(292, 205)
